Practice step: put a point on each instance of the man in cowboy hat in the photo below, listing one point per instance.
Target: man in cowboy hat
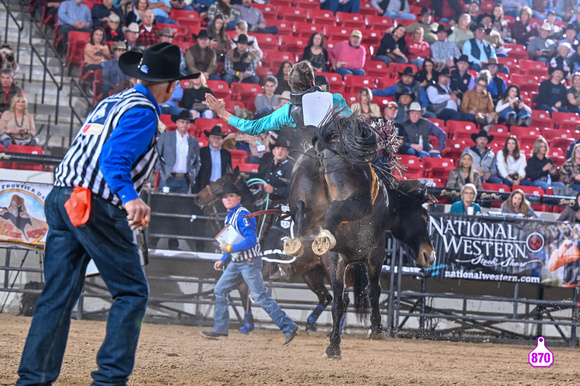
(444, 102)
(113, 30)
(215, 161)
(483, 157)
(201, 57)
(497, 85)
(426, 24)
(243, 258)
(552, 92)
(131, 36)
(409, 83)
(112, 73)
(403, 99)
(348, 57)
(444, 51)
(179, 160)
(390, 114)
(418, 131)
(148, 31)
(241, 63)
(542, 48)
(93, 211)
(461, 80)
(478, 50)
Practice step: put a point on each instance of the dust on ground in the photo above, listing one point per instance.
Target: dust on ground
(178, 355)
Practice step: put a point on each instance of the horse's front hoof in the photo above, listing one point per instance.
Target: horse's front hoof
(294, 247)
(333, 352)
(310, 327)
(376, 335)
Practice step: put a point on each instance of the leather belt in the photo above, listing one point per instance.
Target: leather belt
(179, 175)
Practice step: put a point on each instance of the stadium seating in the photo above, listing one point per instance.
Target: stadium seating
(350, 20)
(306, 4)
(293, 44)
(321, 17)
(461, 130)
(245, 91)
(220, 88)
(267, 41)
(353, 83)
(26, 150)
(289, 13)
(526, 135)
(413, 165)
(238, 157)
(437, 167)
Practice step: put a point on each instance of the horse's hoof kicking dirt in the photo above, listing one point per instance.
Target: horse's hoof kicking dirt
(324, 242)
(294, 247)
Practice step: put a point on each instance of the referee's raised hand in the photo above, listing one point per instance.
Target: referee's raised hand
(138, 214)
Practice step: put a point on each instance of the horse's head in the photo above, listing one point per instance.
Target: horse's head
(409, 223)
(211, 192)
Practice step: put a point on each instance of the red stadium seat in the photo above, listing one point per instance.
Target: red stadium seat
(274, 61)
(26, 150)
(376, 68)
(495, 187)
(532, 67)
(306, 29)
(350, 20)
(453, 149)
(385, 82)
(334, 81)
(248, 168)
(238, 156)
(337, 33)
(558, 133)
(571, 119)
(292, 13)
(353, 83)
(285, 27)
(267, 41)
(220, 88)
(268, 10)
(542, 119)
(414, 167)
(75, 53)
(526, 135)
(321, 17)
(378, 23)
(293, 44)
(517, 51)
(367, 9)
(245, 91)
(437, 167)
(461, 130)
(306, 4)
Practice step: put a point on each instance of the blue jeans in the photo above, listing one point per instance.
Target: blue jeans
(493, 180)
(576, 187)
(353, 6)
(387, 60)
(176, 185)
(542, 184)
(251, 272)
(165, 20)
(396, 15)
(349, 71)
(229, 78)
(168, 109)
(455, 115)
(504, 115)
(108, 240)
(423, 153)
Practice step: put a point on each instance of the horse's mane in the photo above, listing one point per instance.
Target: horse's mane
(357, 142)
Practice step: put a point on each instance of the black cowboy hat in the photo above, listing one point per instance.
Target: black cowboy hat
(463, 58)
(404, 91)
(480, 18)
(216, 130)
(159, 63)
(407, 71)
(482, 133)
(425, 10)
(493, 61)
(475, 26)
(280, 142)
(243, 38)
(228, 187)
(553, 68)
(442, 28)
(445, 71)
(202, 35)
(182, 115)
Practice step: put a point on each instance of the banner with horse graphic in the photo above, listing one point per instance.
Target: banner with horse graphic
(508, 249)
(22, 220)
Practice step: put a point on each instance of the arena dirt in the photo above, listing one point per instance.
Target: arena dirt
(178, 355)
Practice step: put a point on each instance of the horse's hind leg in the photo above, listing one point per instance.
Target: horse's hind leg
(374, 271)
(314, 279)
(338, 305)
(351, 209)
(294, 247)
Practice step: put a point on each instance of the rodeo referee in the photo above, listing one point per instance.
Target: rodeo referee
(92, 212)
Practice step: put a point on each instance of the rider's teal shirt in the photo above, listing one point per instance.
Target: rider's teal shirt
(280, 118)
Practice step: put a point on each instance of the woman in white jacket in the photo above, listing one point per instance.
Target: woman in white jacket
(511, 165)
(512, 110)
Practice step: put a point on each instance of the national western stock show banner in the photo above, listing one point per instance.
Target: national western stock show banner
(507, 249)
(22, 219)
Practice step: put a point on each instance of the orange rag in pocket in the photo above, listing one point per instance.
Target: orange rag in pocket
(78, 206)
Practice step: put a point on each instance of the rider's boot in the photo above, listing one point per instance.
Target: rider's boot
(248, 323)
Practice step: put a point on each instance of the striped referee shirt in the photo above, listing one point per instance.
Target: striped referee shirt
(114, 152)
(249, 247)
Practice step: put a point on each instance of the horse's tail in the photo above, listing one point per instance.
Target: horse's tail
(360, 282)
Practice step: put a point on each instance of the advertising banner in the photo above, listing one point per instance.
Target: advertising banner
(507, 249)
(22, 219)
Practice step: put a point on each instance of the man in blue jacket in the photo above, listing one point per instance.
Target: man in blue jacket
(245, 261)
